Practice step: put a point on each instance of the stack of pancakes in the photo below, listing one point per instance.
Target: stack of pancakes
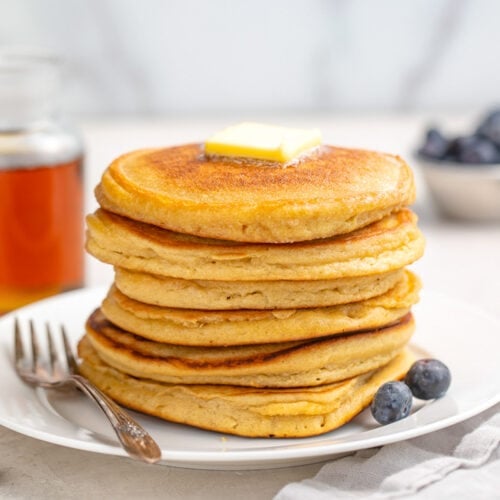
(249, 297)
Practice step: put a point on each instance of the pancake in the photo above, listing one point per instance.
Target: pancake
(219, 328)
(327, 192)
(244, 411)
(390, 243)
(229, 295)
(284, 364)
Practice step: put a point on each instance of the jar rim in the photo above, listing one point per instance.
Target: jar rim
(30, 86)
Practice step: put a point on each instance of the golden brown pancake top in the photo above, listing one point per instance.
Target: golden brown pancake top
(179, 188)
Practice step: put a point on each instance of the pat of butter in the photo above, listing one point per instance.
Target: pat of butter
(262, 142)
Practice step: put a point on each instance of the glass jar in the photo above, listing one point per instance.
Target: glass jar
(41, 186)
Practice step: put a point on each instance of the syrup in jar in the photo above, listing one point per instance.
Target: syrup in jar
(41, 187)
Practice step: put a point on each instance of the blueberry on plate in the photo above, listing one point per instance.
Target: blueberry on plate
(435, 146)
(392, 402)
(428, 379)
(475, 149)
(489, 128)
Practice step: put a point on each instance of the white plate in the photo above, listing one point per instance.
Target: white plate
(461, 336)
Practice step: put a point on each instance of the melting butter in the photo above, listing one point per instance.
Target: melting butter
(263, 142)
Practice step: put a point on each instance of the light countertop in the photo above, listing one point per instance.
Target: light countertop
(461, 260)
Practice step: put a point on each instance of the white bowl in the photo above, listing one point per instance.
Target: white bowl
(468, 192)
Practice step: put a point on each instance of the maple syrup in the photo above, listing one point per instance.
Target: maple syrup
(41, 186)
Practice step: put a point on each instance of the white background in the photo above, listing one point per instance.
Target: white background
(221, 56)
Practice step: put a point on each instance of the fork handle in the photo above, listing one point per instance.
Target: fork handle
(134, 439)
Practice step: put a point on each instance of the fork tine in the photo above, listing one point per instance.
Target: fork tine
(70, 359)
(35, 350)
(54, 361)
(18, 343)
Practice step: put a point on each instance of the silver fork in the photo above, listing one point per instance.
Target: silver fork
(134, 439)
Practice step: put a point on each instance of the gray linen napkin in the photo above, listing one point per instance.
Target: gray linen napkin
(462, 461)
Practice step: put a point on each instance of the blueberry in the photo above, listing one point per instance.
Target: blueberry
(475, 149)
(489, 128)
(435, 145)
(428, 379)
(392, 402)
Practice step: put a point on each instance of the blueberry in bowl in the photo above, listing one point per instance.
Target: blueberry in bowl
(463, 173)
(489, 128)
